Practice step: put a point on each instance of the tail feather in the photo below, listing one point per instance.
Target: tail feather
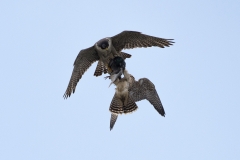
(130, 107)
(113, 120)
(116, 105)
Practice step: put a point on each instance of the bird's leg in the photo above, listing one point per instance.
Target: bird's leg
(115, 53)
(109, 70)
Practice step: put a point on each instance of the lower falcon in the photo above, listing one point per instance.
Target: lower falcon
(128, 91)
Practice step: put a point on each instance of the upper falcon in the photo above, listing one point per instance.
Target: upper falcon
(106, 49)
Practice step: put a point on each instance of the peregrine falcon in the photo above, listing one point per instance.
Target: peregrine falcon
(106, 49)
(128, 91)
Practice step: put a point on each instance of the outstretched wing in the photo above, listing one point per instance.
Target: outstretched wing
(145, 89)
(83, 61)
(133, 39)
(113, 120)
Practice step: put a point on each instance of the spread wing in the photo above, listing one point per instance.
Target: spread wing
(83, 61)
(133, 39)
(145, 89)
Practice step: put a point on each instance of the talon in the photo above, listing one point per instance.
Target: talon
(107, 77)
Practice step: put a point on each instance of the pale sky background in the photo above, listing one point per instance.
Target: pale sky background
(197, 80)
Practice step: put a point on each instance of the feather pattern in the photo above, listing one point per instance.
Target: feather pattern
(117, 105)
(113, 119)
(83, 61)
(130, 107)
(125, 55)
(129, 91)
(99, 69)
(123, 40)
(133, 39)
(145, 89)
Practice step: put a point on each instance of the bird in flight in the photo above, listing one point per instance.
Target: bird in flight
(134, 91)
(108, 48)
(128, 91)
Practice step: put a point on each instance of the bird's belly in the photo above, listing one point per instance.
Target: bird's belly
(122, 88)
(105, 55)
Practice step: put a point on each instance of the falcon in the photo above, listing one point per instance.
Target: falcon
(124, 102)
(128, 91)
(108, 48)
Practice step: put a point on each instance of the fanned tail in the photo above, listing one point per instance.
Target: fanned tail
(130, 107)
(116, 105)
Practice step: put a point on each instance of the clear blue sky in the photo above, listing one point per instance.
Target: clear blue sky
(197, 80)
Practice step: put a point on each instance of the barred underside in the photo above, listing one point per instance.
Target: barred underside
(116, 105)
(130, 107)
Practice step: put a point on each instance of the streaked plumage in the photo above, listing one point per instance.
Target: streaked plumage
(135, 91)
(106, 49)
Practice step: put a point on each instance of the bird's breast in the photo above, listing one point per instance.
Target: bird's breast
(122, 87)
(105, 56)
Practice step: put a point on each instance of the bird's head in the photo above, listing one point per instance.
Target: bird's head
(119, 61)
(103, 43)
(116, 64)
